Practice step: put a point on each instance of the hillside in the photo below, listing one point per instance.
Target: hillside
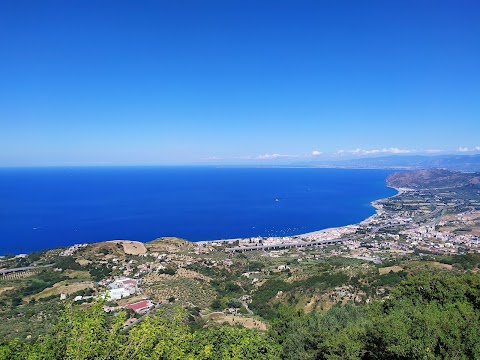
(431, 178)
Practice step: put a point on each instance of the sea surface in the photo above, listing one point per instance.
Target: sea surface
(48, 207)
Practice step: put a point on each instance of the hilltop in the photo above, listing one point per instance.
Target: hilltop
(170, 244)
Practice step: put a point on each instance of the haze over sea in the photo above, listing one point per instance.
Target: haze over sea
(48, 207)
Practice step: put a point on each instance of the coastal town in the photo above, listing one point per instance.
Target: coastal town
(434, 221)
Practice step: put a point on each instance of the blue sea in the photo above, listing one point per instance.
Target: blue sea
(48, 207)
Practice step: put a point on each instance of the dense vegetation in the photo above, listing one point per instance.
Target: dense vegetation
(433, 315)
(87, 334)
(429, 316)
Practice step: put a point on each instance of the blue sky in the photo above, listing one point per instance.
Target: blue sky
(207, 82)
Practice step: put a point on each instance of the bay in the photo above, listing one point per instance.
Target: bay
(59, 206)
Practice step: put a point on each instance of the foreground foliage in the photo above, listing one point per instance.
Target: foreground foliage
(428, 316)
(86, 334)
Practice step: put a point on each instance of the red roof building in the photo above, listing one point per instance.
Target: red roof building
(140, 306)
(130, 282)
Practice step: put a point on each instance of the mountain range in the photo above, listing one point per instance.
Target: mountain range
(404, 162)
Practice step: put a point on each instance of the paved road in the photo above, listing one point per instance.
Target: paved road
(285, 246)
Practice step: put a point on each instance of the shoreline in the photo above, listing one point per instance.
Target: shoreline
(378, 209)
(324, 234)
(316, 235)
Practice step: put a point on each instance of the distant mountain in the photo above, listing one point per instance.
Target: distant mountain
(407, 162)
(432, 178)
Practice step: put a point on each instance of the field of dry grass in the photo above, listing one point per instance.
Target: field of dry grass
(170, 244)
(62, 287)
(96, 250)
(386, 270)
(83, 262)
(78, 274)
(5, 288)
(445, 266)
(430, 264)
(196, 292)
(248, 322)
(131, 247)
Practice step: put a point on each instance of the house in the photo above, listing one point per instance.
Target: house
(117, 294)
(141, 306)
(122, 287)
(130, 282)
(123, 283)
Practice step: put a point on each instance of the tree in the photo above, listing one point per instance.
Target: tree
(234, 303)
(86, 334)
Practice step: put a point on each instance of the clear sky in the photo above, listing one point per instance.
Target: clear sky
(206, 82)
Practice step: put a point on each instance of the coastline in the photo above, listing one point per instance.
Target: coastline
(316, 235)
(379, 208)
(322, 234)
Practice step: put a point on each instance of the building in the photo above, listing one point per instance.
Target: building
(141, 306)
(117, 294)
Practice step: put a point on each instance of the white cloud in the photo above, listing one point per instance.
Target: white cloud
(466, 149)
(214, 158)
(394, 150)
(274, 156)
(397, 151)
(314, 153)
(359, 151)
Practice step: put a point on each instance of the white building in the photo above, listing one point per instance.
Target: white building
(117, 294)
